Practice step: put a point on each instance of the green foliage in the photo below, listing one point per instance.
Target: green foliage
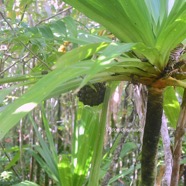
(61, 75)
(13, 162)
(26, 183)
(68, 68)
(125, 172)
(69, 169)
(7, 178)
(171, 106)
(106, 13)
(98, 148)
(47, 157)
(125, 20)
(84, 143)
(127, 148)
(149, 28)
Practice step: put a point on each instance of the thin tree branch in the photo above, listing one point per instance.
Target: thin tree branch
(180, 131)
(22, 42)
(13, 63)
(48, 18)
(23, 14)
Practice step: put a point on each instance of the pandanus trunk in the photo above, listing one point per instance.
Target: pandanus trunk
(151, 136)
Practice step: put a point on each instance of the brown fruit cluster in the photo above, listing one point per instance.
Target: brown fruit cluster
(92, 95)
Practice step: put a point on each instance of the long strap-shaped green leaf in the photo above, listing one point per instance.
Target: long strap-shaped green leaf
(97, 156)
(38, 92)
(157, 24)
(128, 19)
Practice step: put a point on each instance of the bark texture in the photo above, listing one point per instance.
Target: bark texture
(167, 151)
(180, 131)
(151, 136)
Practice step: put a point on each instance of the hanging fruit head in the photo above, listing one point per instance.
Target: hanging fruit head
(92, 95)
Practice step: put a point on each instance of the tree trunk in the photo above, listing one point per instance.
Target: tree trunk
(151, 136)
(180, 131)
(167, 151)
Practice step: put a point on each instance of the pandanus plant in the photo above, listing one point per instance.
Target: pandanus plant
(156, 27)
(148, 31)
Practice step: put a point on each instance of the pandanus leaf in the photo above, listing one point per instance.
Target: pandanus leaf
(159, 25)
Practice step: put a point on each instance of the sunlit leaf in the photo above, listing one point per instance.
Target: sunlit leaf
(87, 38)
(65, 170)
(171, 106)
(85, 131)
(26, 183)
(122, 18)
(42, 89)
(159, 25)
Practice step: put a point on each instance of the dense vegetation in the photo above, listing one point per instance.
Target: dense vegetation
(125, 62)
